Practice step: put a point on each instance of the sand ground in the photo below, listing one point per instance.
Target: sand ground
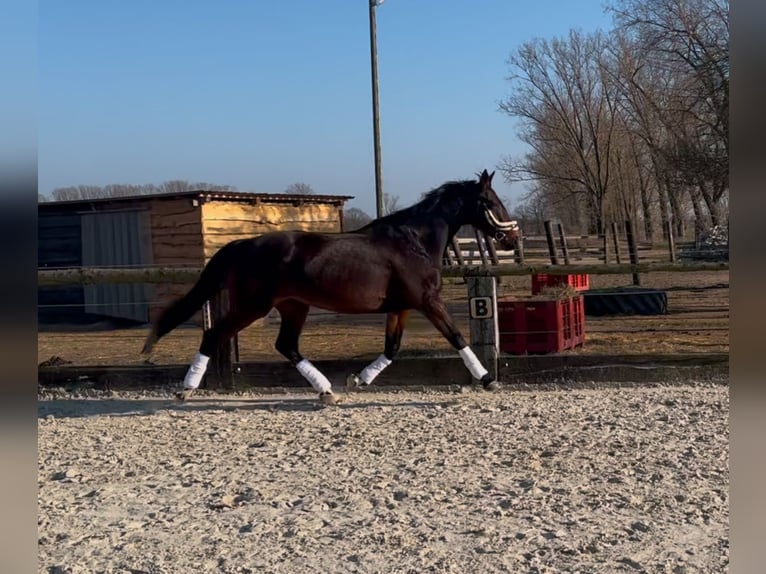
(595, 481)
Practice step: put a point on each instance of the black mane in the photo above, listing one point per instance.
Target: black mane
(447, 200)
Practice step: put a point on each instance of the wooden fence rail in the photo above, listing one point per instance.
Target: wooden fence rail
(602, 248)
(185, 275)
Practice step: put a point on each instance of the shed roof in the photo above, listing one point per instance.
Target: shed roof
(233, 196)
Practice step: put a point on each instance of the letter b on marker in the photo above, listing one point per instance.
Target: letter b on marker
(481, 307)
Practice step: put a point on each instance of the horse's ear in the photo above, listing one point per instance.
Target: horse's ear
(484, 178)
(491, 175)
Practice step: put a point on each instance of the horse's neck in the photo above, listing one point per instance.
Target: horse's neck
(435, 236)
(433, 231)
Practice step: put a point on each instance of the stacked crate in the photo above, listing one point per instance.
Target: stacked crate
(541, 326)
(578, 282)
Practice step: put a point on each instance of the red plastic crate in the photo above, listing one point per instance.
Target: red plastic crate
(541, 327)
(579, 282)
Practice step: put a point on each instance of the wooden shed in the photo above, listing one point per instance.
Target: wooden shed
(179, 229)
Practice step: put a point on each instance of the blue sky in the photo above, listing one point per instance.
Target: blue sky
(260, 94)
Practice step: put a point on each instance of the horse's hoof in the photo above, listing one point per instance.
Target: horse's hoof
(151, 340)
(353, 382)
(329, 399)
(181, 396)
(492, 386)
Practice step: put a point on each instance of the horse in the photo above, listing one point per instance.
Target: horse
(392, 265)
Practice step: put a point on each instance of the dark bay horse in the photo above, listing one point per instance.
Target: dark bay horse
(391, 265)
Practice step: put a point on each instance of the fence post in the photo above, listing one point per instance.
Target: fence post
(551, 243)
(519, 251)
(563, 240)
(632, 249)
(488, 241)
(221, 370)
(480, 247)
(458, 252)
(207, 316)
(615, 238)
(671, 240)
(482, 307)
(447, 259)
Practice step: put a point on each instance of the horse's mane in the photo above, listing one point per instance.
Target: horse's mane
(448, 199)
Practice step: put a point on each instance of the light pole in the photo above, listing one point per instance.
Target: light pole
(375, 113)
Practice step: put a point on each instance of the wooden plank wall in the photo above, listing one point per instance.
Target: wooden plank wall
(224, 221)
(176, 241)
(188, 235)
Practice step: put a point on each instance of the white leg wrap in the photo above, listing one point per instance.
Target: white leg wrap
(372, 370)
(196, 371)
(314, 376)
(473, 363)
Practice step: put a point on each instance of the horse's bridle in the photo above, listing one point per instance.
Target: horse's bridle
(501, 227)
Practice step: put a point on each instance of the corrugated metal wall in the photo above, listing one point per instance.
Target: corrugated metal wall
(58, 245)
(117, 238)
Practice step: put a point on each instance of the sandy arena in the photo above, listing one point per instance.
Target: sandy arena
(600, 480)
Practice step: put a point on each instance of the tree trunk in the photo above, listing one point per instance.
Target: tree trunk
(712, 205)
(699, 216)
(646, 207)
(715, 214)
(598, 221)
(595, 213)
(675, 209)
(662, 193)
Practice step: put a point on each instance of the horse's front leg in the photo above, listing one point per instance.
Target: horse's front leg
(436, 311)
(395, 324)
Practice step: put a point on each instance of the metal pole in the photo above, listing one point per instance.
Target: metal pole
(375, 112)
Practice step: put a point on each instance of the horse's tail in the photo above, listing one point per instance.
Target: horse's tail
(209, 282)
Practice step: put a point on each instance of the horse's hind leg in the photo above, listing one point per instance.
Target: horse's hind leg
(395, 324)
(228, 326)
(293, 314)
(436, 312)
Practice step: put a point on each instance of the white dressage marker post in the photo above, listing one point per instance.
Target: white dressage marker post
(482, 308)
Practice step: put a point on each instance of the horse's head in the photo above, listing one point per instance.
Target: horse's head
(490, 214)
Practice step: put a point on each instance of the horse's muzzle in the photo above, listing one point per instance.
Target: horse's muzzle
(507, 239)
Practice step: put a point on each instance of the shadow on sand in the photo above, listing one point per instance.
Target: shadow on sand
(77, 408)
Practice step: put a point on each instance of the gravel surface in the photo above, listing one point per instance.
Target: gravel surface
(630, 479)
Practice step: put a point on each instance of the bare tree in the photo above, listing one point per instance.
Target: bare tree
(174, 186)
(627, 124)
(80, 192)
(205, 186)
(69, 193)
(568, 118)
(686, 44)
(354, 218)
(640, 88)
(299, 188)
(390, 203)
(532, 211)
(128, 190)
